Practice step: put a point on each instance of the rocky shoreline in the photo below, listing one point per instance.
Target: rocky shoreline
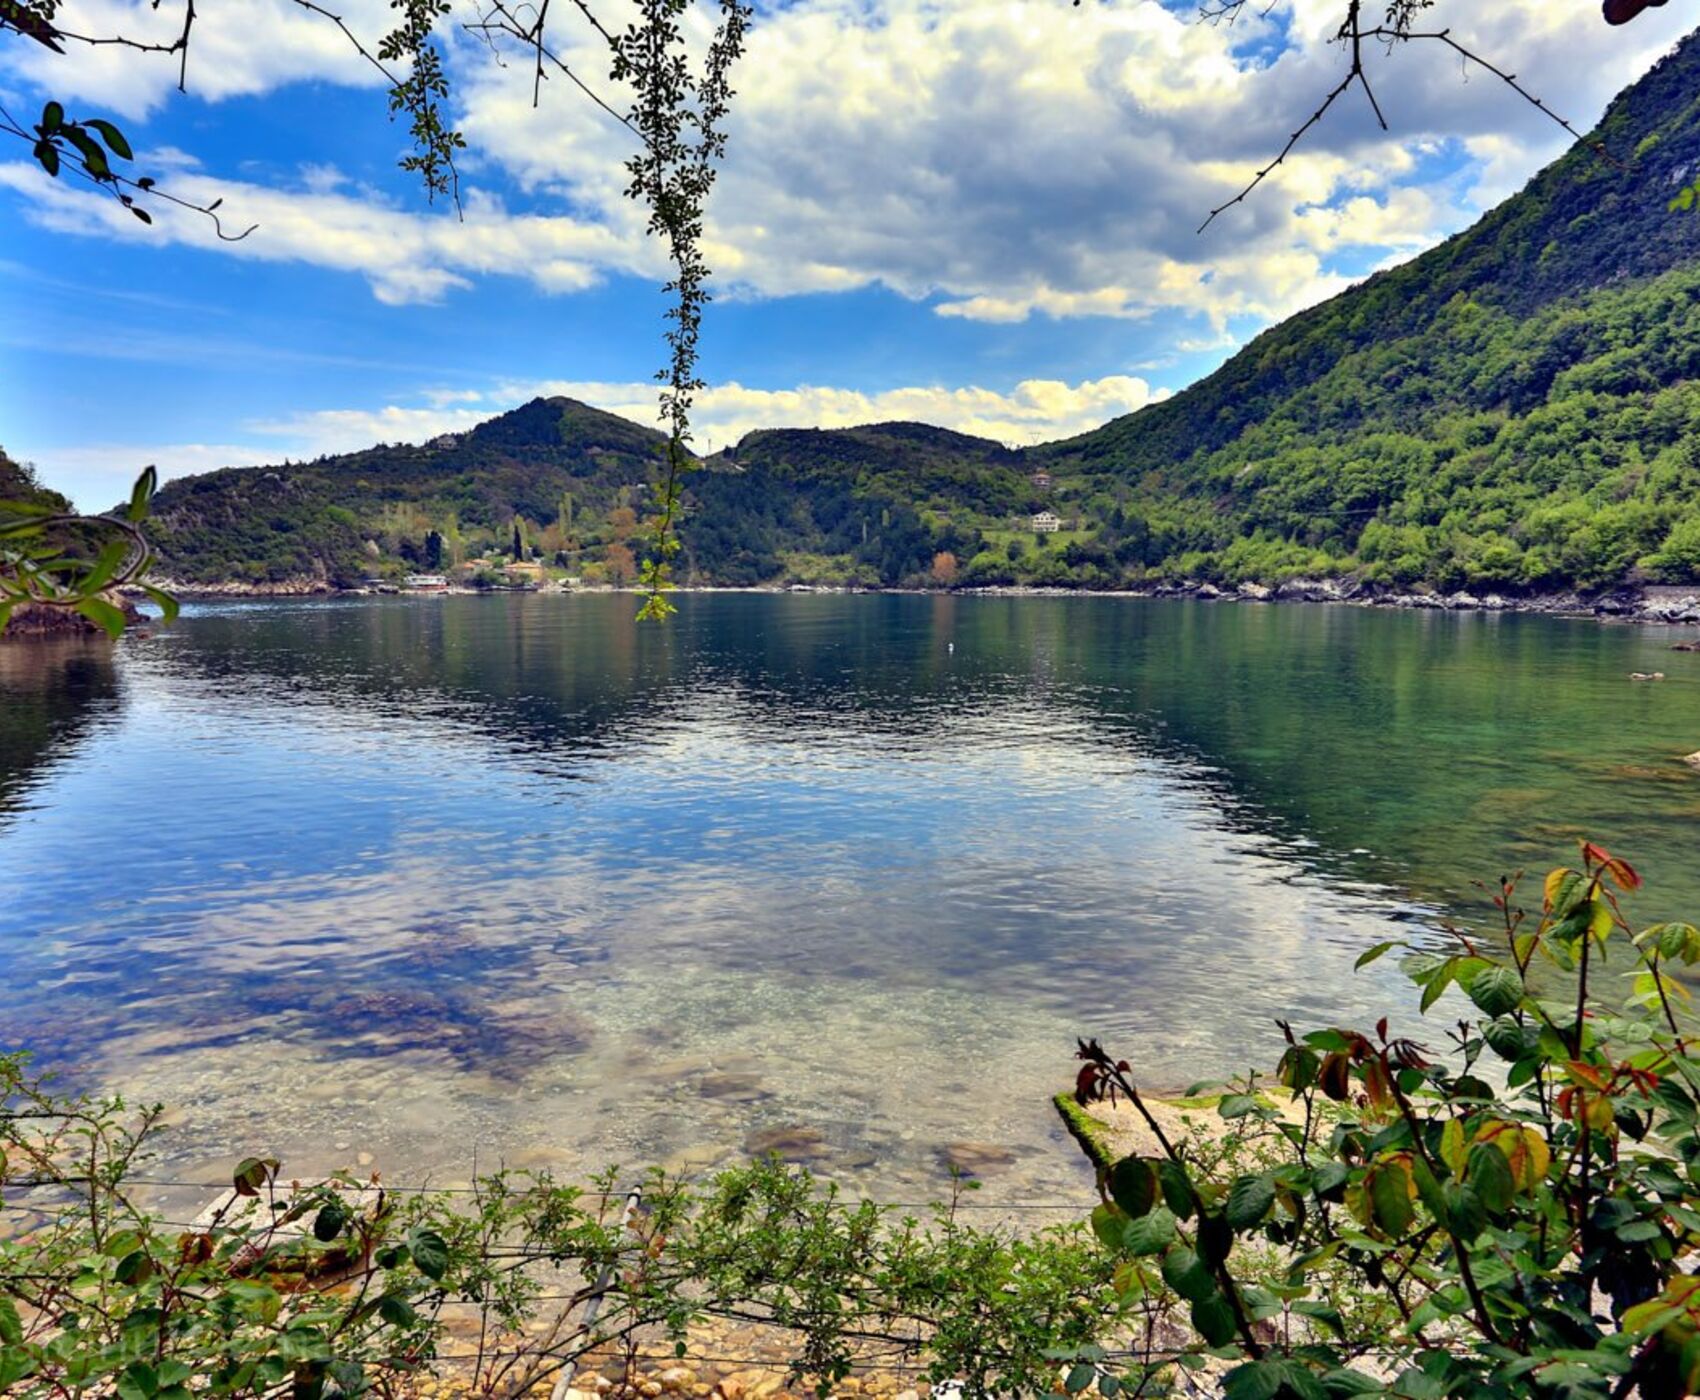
(1653, 603)
(32, 621)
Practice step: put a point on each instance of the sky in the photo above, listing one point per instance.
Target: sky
(981, 214)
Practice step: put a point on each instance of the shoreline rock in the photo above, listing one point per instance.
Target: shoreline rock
(1658, 603)
(32, 622)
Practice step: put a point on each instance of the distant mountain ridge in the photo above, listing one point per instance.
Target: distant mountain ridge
(1517, 409)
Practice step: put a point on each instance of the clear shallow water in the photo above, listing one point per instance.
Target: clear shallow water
(516, 876)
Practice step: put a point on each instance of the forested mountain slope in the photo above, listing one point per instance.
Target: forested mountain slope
(1516, 410)
(1515, 407)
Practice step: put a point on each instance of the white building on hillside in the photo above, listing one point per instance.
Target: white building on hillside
(1046, 523)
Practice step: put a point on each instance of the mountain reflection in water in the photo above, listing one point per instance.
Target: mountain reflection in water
(411, 877)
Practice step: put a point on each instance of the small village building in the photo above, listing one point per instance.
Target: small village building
(1046, 523)
(1041, 480)
(426, 583)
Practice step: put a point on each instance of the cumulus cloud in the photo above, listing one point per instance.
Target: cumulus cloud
(237, 50)
(406, 255)
(1000, 158)
(1035, 410)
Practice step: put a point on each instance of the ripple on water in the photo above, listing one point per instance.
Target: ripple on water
(421, 878)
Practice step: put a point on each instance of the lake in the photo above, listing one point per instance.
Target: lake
(517, 878)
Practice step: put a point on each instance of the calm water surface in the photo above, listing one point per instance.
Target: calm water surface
(516, 876)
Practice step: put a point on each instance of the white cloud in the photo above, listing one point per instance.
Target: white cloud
(407, 256)
(1003, 157)
(1034, 410)
(237, 49)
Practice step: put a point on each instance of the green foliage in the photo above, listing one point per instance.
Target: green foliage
(1399, 1224)
(339, 1286)
(53, 558)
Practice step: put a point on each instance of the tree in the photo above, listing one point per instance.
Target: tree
(622, 522)
(433, 551)
(944, 568)
(621, 567)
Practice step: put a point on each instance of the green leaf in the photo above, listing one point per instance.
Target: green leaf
(1429, 1190)
(430, 1252)
(105, 566)
(1390, 1197)
(1108, 1222)
(1215, 1239)
(1256, 1380)
(137, 1382)
(168, 606)
(1177, 1188)
(1498, 991)
(113, 137)
(1508, 1038)
(1328, 1316)
(1133, 1185)
(11, 1328)
(1213, 1319)
(328, 1223)
(94, 159)
(1329, 1178)
(104, 615)
(1079, 1377)
(1237, 1106)
(1464, 1214)
(1346, 1383)
(141, 495)
(1184, 1272)
(134, 1268)
(252, 1173)
(1489, 1173)
(52, 117)
(1380, 950)
(396, 1310)
(1249, 1199)
(1150, 1233)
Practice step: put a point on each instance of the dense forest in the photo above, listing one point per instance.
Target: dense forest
(1513, 411)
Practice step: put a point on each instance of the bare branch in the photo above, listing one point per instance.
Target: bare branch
(1396, 29)
(500, 19)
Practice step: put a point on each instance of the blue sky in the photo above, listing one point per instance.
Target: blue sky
(979, 214)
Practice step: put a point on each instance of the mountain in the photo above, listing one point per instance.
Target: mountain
(1517, 409)
(341, 518)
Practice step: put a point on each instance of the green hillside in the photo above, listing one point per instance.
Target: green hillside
(1515, 410)
(555, 464)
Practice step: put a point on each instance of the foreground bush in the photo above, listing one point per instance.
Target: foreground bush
(1413, 1225)
(1507, 1215)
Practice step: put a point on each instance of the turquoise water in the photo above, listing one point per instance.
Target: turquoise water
(419, 878)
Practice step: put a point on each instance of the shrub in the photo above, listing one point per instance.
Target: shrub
(1415, 1228)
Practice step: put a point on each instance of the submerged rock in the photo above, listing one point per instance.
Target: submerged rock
(975, 1158)
(792, 1142)
(740, 1088)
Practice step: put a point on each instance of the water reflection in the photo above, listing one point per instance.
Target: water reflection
(849, 873)
(52, 694)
